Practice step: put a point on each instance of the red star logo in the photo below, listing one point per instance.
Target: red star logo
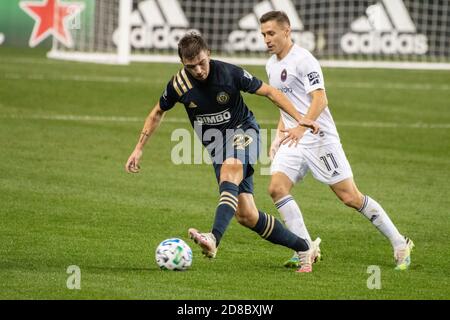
(51, 18)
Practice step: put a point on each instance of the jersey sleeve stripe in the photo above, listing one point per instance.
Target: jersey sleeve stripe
(186, 79)
(183, 86)
(175, 85)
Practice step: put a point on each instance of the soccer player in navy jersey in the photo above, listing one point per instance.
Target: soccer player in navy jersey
(210, 91)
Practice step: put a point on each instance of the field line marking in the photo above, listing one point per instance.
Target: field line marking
(122, 79)
(368, 124)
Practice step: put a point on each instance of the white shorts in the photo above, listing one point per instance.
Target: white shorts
(327, 163)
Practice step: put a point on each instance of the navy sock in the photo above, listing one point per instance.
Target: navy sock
(226, 209)
(274, 231)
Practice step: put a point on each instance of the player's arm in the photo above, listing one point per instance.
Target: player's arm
(151, 123)
(319, 102)
(312, 78)
(279, 99)
(278, 139)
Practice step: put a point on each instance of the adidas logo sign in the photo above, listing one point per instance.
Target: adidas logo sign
(157, 24)
(387, 28)
(248, 37)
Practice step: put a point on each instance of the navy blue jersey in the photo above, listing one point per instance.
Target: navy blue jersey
(216, 102)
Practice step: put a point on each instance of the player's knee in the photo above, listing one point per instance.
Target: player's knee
(277, 191)
(247, 218)
(240, 218)
(232, 173)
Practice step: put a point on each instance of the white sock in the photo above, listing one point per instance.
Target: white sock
(379, 218)
(292, 217)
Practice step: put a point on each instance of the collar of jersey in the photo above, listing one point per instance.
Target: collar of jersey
(288, 54)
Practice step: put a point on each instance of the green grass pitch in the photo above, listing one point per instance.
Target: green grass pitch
(66, 130)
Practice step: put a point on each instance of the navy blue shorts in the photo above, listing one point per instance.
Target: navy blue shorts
(242, 145)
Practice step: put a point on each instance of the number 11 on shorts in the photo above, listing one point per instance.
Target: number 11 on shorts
(327, 164)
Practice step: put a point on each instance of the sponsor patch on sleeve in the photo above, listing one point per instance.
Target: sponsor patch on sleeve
(248, 75)
(314, 78)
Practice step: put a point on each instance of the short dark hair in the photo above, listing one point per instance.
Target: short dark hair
(279, 16)
(191, 45)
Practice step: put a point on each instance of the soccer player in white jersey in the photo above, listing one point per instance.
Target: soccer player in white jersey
(295, 71)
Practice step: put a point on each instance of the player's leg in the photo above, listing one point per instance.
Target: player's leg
(267, 226)
(349, 194)
(273, 230)
(231, 174)
(288, 167)
(329, 165)
(240, 149)
(279, 189)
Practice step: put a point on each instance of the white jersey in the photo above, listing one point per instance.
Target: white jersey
(296, 75)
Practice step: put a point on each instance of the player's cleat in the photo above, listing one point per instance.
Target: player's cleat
(403, 256)
(294, 261)
(206, 241)
(317, 255)
(305, 261)
(307, 258)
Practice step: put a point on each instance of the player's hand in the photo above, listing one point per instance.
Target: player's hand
(293, 135)
(132, 165)
(308, 123)
(274, 147)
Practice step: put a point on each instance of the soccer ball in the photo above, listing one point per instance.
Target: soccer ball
(173, 254)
